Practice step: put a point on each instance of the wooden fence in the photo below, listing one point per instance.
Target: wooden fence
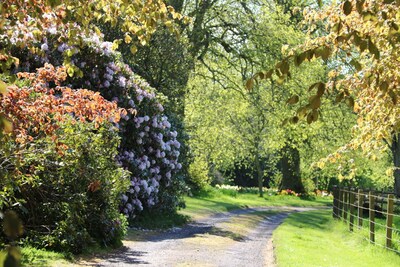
(372, 213)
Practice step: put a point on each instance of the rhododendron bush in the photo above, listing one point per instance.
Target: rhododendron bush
(149, 148)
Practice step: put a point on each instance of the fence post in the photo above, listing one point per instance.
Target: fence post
(335, 202)
(360, 198)
(389, 221)
(371, 217)
(351, 201)
(340, 203)
(346, 204)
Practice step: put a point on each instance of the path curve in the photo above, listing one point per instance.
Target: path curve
(206, 242)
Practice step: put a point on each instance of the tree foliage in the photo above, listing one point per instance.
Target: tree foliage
(364, 37)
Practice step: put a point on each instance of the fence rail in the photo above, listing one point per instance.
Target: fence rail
(371, 213)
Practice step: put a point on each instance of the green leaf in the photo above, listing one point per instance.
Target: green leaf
(359, 6)
(133, 49)
(70, 71)
(302, 111)
(393, 96)
(298, 59)
(373, 49)
(284, 67)
(259, 75)
(69, 53)
(347, 8)
(268, 74)
(337, 27)
(281, 80)
(317, 84)
(312, 116)
(350, 102)
(315, 102)
(369, 16)
(356, 64)
(339, 97)
(294, 120)
(363, 45)
(357, 39)
(310, 54)
(321, 89)
(341, 39)
(325, 53)
(6, 125)
(384, 86)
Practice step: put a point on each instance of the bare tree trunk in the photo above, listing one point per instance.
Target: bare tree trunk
(395, 147)
(259, 174)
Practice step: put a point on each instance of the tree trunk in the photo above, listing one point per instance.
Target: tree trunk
(395, 147)
(290, 167)
(259, 175)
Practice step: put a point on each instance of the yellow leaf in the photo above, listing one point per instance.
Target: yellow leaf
(3, 87)
(128, 39)
(7, 126)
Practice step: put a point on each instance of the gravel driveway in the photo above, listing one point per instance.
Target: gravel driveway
(236, 238)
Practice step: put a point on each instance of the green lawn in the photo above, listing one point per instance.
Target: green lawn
(313, 238)
(206, 205)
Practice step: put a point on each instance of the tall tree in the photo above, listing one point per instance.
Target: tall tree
(254, 123)
(364, 36)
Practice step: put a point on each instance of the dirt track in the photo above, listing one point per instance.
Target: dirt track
(237, 238)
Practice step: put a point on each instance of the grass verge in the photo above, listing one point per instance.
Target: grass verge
(314, 238)
(39, 257)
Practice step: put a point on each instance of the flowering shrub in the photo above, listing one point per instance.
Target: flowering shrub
(58, 163)
(149, 148)
(228, 187)
(322, 193)
(288, 192)
(36, 110)
(255, 190)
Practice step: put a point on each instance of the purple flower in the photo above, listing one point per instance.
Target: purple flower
(44, 47)
(122, 83)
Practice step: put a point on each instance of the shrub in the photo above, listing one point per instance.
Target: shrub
(198, 173)
(68, 200)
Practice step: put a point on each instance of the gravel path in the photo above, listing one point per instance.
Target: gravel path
(207, 242)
